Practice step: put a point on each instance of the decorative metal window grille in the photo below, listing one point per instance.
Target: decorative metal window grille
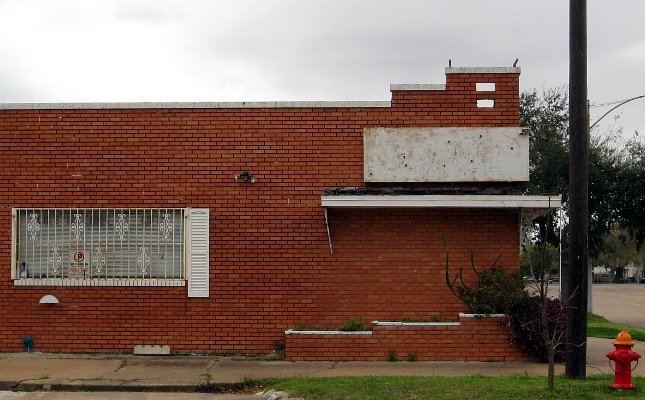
(100, 243)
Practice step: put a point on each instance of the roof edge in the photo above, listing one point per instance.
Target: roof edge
(417, 86)
(483, 70)
(186, 105)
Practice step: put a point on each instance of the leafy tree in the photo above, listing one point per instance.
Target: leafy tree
(539, 322)
(546, 117)
(616, 172)
(539, 259)
(620, 250)
(631, 194)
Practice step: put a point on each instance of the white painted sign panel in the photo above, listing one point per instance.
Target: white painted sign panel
(445, 155)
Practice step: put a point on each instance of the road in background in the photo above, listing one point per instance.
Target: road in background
(623, 303)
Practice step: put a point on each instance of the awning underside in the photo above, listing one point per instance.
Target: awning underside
(443, 201)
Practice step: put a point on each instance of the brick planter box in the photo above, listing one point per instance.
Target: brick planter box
(473, 338)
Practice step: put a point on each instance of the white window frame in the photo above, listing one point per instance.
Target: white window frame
(195, 267)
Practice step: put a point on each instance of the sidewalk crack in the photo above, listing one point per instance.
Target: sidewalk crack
(123, 364)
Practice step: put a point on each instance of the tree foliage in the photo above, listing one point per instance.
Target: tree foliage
(620, 250)
(546, 117)
(631, 194)
(616, 170)
(537, 260)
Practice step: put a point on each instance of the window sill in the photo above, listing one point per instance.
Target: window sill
(98, 282)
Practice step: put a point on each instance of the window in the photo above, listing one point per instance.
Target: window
(110, 246)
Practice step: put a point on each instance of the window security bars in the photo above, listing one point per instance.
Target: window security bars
(100, 243)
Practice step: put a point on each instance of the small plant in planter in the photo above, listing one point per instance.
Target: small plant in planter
(353, 324)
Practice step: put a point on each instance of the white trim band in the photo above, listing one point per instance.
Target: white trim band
(98, 282)
(294, 332)
(194, 105)
(463, 315)
(445, 201)
(483, 70)
(394, 323)
(417, 86)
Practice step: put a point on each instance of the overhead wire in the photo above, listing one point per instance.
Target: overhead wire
(611, 103)
(619, 103)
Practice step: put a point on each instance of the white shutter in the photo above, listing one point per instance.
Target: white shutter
(197, 253)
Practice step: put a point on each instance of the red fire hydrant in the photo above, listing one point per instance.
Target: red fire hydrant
(623, 356)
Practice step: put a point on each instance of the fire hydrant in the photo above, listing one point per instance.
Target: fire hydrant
(623, 356)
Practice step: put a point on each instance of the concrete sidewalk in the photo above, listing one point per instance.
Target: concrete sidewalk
(38, 371)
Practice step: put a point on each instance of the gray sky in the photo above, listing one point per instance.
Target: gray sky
(115, 51)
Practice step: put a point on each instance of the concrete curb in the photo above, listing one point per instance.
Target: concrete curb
(119, 386)
(8, 385)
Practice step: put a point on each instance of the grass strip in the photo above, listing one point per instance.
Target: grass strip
(600, 327)
(523, 387)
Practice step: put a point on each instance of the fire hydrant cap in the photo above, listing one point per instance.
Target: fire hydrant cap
(624, 338)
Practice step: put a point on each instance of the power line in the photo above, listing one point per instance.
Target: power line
(620, 103)
(611, 103)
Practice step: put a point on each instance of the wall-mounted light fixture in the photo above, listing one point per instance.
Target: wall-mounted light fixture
(246, 177)
(48, 299)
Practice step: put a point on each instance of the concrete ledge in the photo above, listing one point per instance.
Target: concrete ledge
(483, 70)
(97, 282)
(463, 315)
(391, 323)
(194, 105)
(416, 86)
(294, 332)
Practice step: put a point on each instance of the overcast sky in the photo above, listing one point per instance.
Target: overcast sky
(123, 51)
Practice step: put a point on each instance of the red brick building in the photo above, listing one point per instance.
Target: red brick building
(216, 227)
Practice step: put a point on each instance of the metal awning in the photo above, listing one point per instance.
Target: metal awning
(441, 201)
(534, 205)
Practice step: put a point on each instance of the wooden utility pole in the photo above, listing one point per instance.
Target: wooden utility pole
(577, 272)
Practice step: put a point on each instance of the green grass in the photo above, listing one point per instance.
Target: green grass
(600, 327)
(437, 388)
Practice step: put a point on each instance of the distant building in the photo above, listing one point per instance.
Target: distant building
(633, 272)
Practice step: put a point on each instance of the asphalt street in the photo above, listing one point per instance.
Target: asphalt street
(620, 302)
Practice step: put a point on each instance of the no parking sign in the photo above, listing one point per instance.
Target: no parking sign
(78, 263)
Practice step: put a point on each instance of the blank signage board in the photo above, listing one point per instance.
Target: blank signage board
(446, 155)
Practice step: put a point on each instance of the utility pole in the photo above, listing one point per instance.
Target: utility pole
(577, 274)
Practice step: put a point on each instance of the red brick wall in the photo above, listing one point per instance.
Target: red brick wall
(270, 261)
(475, 339)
